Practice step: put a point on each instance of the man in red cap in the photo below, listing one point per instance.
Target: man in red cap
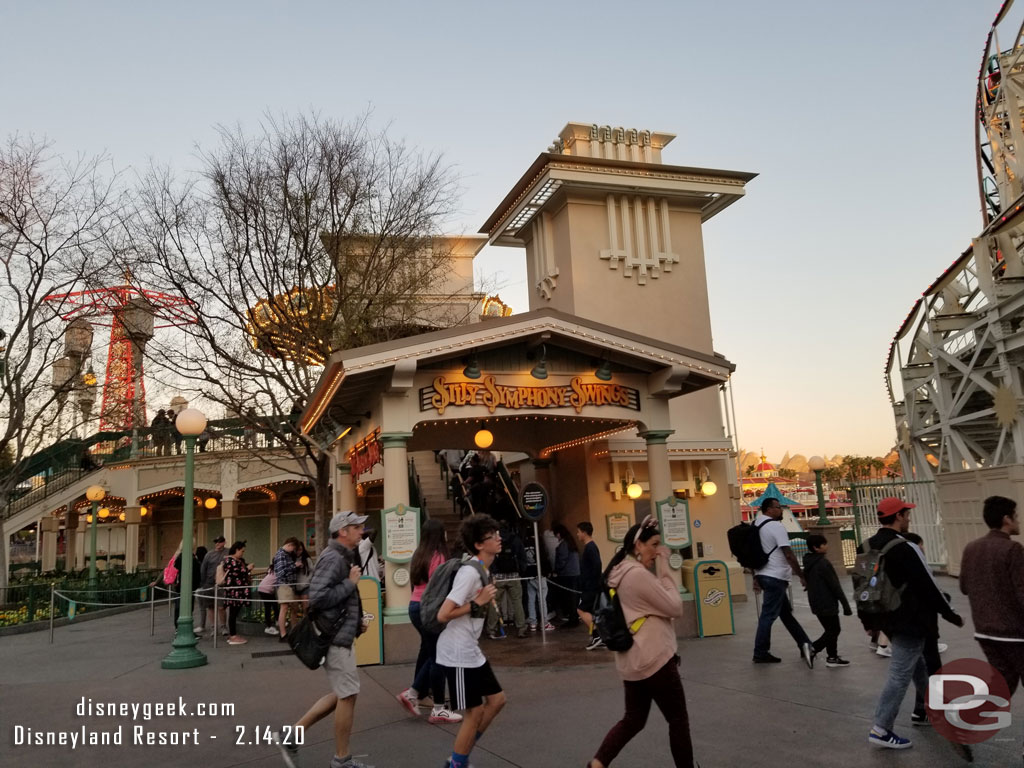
(909, 625)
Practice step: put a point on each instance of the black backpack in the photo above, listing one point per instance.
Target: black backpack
(745, 545)
(610, 622)
(438, 588)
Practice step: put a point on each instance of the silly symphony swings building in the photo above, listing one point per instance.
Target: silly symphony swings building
(609, 379)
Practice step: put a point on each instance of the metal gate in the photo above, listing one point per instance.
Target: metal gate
(925, 520)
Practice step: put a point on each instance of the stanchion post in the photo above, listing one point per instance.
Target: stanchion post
(51, 612)
(152, 610)
(542, 607)
(216, 614)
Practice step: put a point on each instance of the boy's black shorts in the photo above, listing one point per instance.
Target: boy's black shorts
(588, 601)
(469, 685)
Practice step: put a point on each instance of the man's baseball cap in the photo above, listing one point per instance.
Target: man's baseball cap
(219, 539)
(346, 518)
(892, 505)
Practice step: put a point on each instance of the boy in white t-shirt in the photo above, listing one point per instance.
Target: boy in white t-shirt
(475, 689)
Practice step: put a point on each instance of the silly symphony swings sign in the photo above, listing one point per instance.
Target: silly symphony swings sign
(487, 392)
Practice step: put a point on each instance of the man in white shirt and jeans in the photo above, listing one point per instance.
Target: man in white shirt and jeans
(475, 689)
(773, 582)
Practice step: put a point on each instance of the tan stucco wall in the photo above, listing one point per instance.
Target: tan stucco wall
(674, 305)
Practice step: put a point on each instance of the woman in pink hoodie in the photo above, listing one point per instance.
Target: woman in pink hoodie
(650, 668)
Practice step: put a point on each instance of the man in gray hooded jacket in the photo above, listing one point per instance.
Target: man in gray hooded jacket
(333, 593)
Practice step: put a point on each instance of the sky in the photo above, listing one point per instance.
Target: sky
(858, 118)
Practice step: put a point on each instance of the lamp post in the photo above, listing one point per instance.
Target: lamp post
(184, 655)
(817, 464)
(95, 494)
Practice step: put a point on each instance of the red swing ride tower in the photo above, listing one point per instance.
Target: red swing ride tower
(133, 314)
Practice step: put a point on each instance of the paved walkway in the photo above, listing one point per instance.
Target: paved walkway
(558, 711)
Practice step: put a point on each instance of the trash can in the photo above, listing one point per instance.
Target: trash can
(708, 580)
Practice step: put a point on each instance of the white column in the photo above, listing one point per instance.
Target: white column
(344, 488)
(396, 491)
(47, 532)
(132, 518)
(229, 513)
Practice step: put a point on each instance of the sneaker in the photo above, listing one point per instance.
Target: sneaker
(496, 635)
(943, 647)
(767, 659)
(271, 631)
(444, 715)
(920, 717)
(409, 700)
(351, 763)
(884, 650)
(289, 752)
(199, 631)
(237, 641)
(549, 627)
(808, 652)
(836, 661)
(532, 626)
(873, 645)
(595, 643)
(522, 632)
(888, 740)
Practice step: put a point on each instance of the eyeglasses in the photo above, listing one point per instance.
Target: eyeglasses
(490, 536)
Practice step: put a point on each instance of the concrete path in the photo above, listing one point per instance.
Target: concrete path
(562, 700)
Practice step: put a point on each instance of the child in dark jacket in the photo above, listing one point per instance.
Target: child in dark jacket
(824, 595)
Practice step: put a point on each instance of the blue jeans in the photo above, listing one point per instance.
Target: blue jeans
(531, 601)
(906, 664)
(775, 605)
(429, 677)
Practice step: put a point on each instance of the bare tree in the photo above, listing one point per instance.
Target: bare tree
(307, 237)
(54, 216)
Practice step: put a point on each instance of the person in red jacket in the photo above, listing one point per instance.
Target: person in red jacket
(650, 668)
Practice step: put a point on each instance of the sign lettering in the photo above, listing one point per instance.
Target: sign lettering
(577, 394)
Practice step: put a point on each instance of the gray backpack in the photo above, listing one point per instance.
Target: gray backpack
(439, 587)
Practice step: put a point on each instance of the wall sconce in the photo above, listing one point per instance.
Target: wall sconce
(143, 511)
(704, 485)
(472, 369)
(540, 370)
(210, 503)
(121, 517)
(303, 501)
(104, 513)
(630, 486)
(604, 371)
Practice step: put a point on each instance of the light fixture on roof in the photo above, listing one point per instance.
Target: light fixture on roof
(604, 371)
(472, 369)
(540, 370)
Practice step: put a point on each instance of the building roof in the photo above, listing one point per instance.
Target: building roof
(772, 492)
(375, 366)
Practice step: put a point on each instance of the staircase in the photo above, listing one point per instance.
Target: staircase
(432, 488)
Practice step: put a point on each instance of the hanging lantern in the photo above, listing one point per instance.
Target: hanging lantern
(104, 513)
(304, 501)
(210, 503)
(483, 439)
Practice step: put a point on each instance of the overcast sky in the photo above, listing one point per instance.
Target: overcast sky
(857, 116)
